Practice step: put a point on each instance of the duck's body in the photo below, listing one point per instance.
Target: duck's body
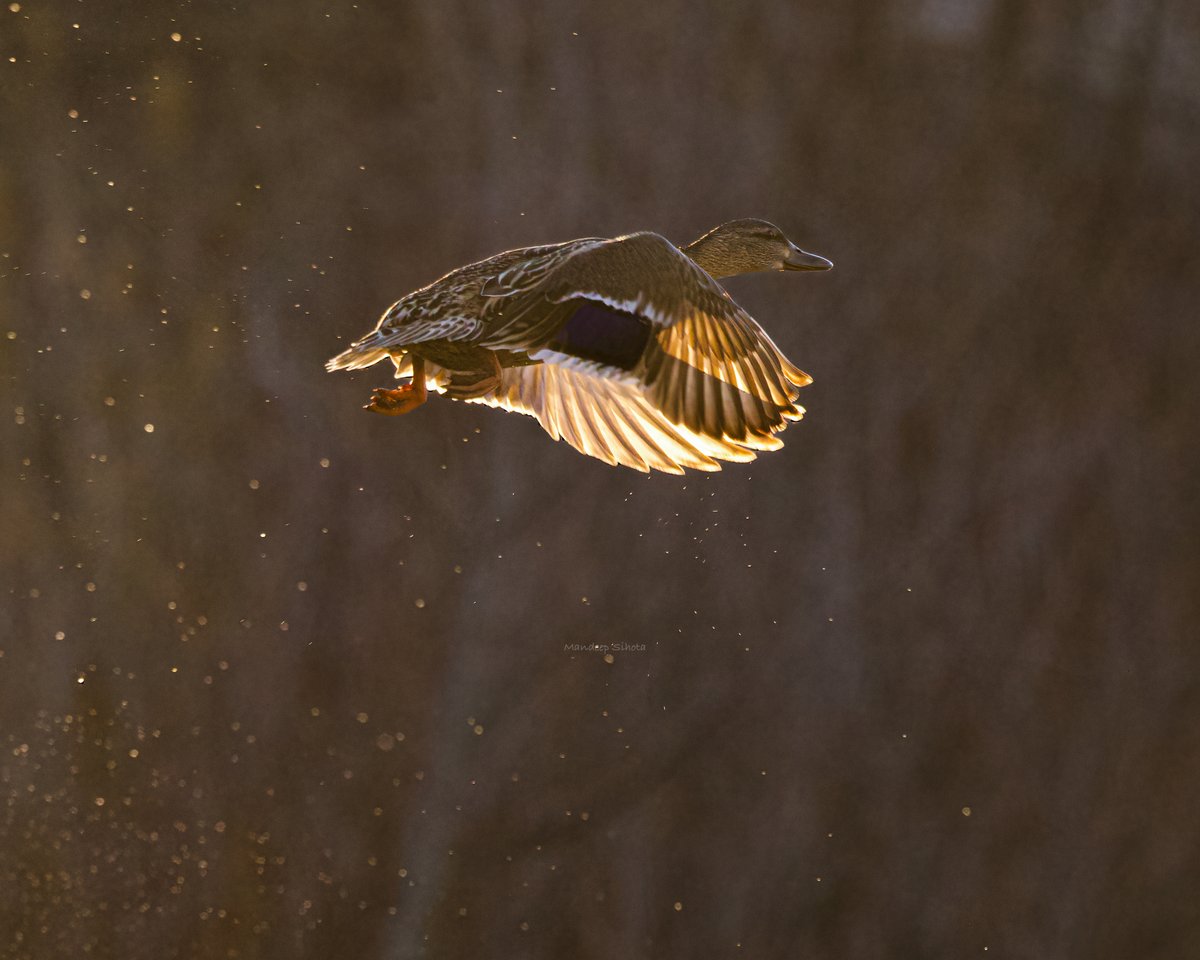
(626, 348)
(444, 323)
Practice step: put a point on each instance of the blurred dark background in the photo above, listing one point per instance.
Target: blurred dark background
(279, 678)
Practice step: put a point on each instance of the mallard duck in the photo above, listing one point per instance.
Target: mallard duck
(627, 348)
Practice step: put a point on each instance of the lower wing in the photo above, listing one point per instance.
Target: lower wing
(611, 420)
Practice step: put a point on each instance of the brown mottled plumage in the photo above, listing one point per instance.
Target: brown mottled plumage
(628, 348)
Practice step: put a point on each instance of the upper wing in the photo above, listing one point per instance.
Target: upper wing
(518, 270)
(701, 361)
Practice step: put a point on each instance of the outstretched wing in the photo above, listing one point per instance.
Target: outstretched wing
(638, 312)
(608, 419)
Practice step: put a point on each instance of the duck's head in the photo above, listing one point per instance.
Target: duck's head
(750, 246)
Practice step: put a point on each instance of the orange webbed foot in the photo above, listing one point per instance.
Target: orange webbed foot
(403, 399)
(392, 403)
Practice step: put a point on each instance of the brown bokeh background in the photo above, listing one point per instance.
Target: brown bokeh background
(283, 679)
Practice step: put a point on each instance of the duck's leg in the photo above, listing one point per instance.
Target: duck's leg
(471, 384)
(402, 399)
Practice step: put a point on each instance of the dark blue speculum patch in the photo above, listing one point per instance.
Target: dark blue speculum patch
(600, 333)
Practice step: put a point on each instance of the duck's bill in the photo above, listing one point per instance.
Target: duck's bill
(799, 260)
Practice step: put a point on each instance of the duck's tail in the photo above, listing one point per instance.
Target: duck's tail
(358, 355)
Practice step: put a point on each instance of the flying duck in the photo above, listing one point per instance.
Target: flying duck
(627, 348)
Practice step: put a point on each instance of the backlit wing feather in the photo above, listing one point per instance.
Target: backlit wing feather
(608, 419)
